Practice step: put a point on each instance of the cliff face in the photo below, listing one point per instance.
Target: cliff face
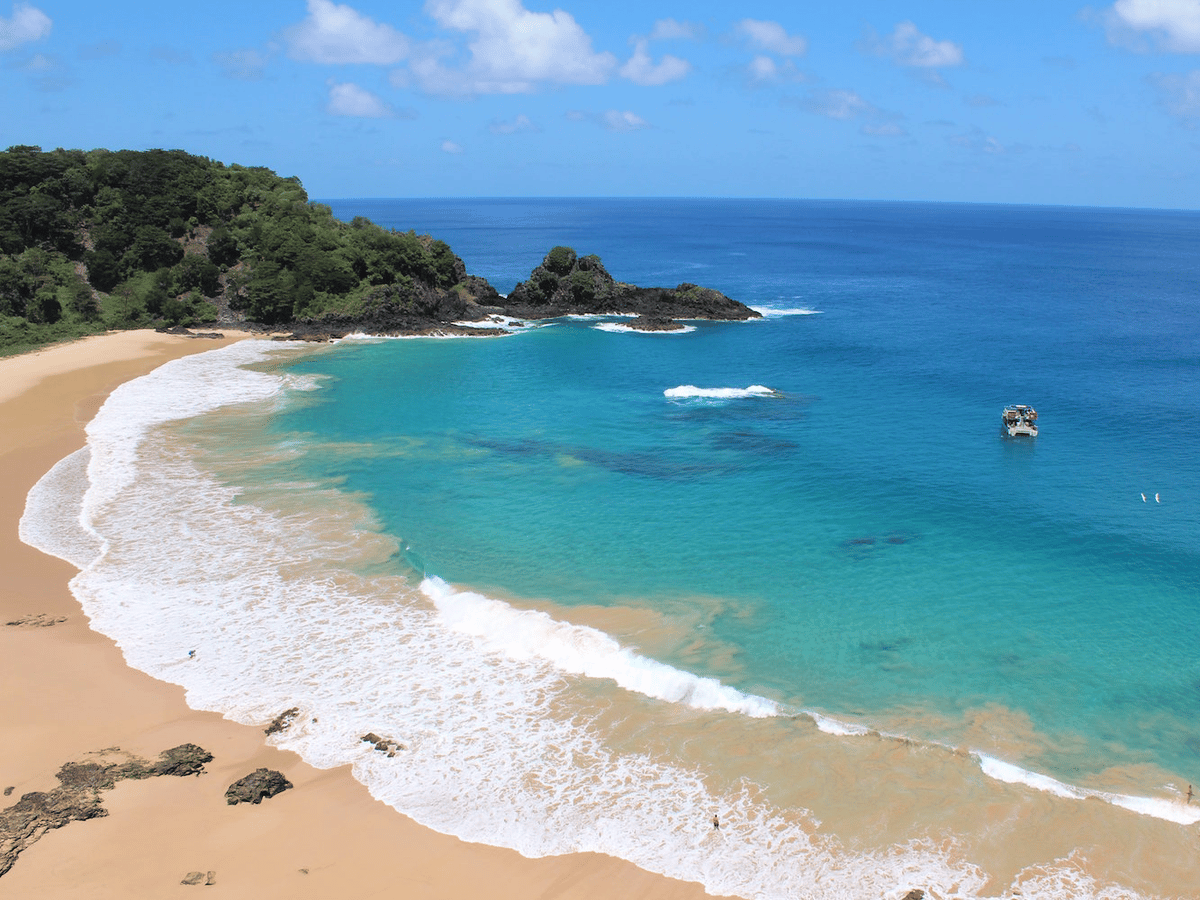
(567, 284)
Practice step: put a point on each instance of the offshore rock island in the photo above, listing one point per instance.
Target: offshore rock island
(100, 240)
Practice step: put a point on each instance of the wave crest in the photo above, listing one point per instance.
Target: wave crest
(691, 392)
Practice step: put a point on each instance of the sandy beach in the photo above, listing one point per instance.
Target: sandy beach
(66, 693)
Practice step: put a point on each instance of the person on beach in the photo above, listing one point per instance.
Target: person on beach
(717, 822)
(1189, 796)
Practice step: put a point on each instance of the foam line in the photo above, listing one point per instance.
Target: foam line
(691, 392)
(580, 650)
(770, 312)
(618, 328)
(1159, 808)
(52, 522)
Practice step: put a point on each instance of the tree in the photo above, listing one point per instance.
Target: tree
(103, 271)
(196, 271)
(222, 246)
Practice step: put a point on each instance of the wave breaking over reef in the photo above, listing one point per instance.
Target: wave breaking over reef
(503, 713)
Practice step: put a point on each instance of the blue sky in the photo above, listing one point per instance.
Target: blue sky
(1007, 101)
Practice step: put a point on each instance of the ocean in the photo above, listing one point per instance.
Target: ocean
(602, 585)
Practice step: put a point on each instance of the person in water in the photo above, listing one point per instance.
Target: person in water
(717, 822)
(1189, 797)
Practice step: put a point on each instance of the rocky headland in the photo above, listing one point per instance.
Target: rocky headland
(565, 284)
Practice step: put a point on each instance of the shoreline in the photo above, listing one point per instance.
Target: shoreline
(68, 693)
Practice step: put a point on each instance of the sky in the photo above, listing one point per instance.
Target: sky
(1007, 101)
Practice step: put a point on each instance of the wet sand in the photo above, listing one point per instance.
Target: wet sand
(65, 693)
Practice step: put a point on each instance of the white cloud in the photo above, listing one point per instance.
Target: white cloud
(838, 104)
(39, 62)
(673, 30)
(763, 68)
(337, 34)
(519, 124)
(348, 99)
(907, 46)
(244, 65)
(615, 120)
(978, 141)
(772, 37)
(1180, 94)
(28, 23)
(513, 50)
(640, 69)
(451, 148)
(1174, 24)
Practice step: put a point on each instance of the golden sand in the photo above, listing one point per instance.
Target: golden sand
(65, 692)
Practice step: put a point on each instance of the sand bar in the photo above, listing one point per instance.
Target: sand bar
(65, 692)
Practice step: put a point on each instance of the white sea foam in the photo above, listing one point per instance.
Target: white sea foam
(619, 328)
(1159, 808)
(53, 509)
(580, 650)
(479, 692)
(837, 727)
(691, 392)
(772, 312)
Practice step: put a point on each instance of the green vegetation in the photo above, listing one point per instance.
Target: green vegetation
(96, 240)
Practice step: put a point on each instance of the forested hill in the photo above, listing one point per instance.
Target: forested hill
(91, 240)
(100, 239)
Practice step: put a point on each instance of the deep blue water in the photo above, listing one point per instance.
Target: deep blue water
(881, 552)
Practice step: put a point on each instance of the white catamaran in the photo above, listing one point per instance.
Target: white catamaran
(1020, 420)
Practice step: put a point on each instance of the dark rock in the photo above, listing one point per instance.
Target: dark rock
(210, 878)
(77, 798)
(254, 787)
(193, 878)
(382, 744)
(917, 894)
(565, 284)
(655, 323)
(282, 721)
(43, 620)
(8, 790)
(186, 759)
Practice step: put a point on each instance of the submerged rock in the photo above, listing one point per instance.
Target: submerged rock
(254, 787)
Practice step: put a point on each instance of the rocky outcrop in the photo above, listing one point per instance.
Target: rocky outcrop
(382, 744)
(656, 323)
(259, 784)
(568, 284)
(199, 878)
(77, 797)
(41, 620)
(282, 721)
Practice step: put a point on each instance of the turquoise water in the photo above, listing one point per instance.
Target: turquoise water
(883, 553)
(601, 585)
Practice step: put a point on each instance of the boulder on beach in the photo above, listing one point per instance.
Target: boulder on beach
(254, 787)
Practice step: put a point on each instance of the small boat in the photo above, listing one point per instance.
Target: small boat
(1020, 420)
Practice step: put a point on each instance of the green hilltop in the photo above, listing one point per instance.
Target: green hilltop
(96, 240)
